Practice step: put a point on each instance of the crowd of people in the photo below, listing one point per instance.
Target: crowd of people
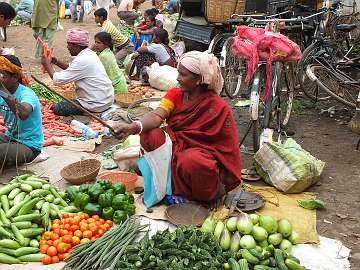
(200, 132)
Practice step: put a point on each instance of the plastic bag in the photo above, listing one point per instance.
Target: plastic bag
(287, 166)
(162, 77)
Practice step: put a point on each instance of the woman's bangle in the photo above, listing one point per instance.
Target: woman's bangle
(139, 127)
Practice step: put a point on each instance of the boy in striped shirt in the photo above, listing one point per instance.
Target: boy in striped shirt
(122, 44)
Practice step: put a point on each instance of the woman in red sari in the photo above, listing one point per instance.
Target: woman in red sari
(205, 161)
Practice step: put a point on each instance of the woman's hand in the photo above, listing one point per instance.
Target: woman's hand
(122, 131)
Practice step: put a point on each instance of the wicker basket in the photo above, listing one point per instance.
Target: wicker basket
(81, 172)
(220, 11)
(127, 178)
(125, 99)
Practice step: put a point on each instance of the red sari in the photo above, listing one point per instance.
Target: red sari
(205, 147)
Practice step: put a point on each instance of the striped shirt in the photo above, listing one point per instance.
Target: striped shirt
(116, 36)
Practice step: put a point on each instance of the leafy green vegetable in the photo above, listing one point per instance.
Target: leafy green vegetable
(43, 93)
(311, 204)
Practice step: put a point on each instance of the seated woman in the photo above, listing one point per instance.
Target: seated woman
(104, 48)
(205, 158)
(94, 89)
(158, 51)
(144, 33)
(21, 110)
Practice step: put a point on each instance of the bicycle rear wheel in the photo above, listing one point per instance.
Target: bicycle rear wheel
(334, 83)
(233, 70)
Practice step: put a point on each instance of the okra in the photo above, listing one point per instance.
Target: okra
(13, 193)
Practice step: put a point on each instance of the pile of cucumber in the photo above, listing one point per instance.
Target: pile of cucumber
(27, 205)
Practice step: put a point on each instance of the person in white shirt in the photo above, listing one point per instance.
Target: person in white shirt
(94, 89)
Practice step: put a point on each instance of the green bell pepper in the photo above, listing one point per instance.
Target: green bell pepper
(92, 209)
(119, 216)
(131, 198)
(94, 191)
(105, 199)
(72, 191)
(119, 188)
(81, 199)
(106, 184)
(118, 201)
(84, 188)
(129, 209)
(107, 213)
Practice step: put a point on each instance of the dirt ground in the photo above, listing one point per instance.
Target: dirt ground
(327, 138)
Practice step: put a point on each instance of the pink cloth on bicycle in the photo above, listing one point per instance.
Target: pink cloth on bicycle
(253, 44)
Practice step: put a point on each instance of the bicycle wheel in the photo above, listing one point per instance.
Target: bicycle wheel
(311, 90)
(233, 70)
(285, 94)
(334, 83)
(217, 43)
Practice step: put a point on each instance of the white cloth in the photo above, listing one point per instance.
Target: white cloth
(126, 5)
(103, 4)
(93, 87)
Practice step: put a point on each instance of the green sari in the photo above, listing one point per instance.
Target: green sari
(117, 77)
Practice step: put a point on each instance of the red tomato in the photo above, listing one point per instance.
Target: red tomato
(50, 242)
(75, 240)
(52, 251)
(86, 216)
(73, 222)
(84, 240)
(55, 226)
(109, 222)
(43, 242)
(56, 221)
(93, 238)
(64, 232)
(65, 215)
(61, 257)
(78, 233)
(84, 227)
(67, 239)
(55, 259)
(74, 228)
(57, 242)
(101, 231)
(63, 247)
(43, 248)
(67, 254)
(46, 259)
(54, 236)
(67, 226)
(76, 219)
(90, 220)
(96, 217)
(47, 235)
(97, 236)
(57, 230)
(102, 221)
(87, 234)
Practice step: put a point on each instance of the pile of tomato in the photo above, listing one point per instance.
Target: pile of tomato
(70, 231)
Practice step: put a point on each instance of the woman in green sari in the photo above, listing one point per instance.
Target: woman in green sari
(103, 47)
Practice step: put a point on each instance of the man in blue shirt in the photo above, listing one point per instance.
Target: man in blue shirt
(20, 107)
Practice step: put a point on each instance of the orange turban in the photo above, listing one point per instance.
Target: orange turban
(6, 65)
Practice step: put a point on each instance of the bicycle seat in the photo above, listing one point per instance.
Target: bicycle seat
(345, 27)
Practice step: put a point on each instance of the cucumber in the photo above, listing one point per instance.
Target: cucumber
(39, 204)
(25, 251)
(46, 187)
(243, 264)
(27, 217)
(272, 262)
(34, 243)
(291, 257)
(7, 243)
(13, 210)
(18, 198)
(39, 193)
(5, 233)
(7, 259)
(4, 203)
(26, 187)
(264, 267)
(27, 241)
(5, 190)
(3, 217)
(13, 193)
(8, 251)
(19, 237)
(265, 262)
(280, 260)
(31, 232)
(34, 184)
(292, 265)
(37, 179)
(22, 224)
(11, 203)
(257, 254)
(49, 198)
(249, 257)
(31, 257)
(234, 264)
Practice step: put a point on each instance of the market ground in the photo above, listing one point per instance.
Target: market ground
(327, 138)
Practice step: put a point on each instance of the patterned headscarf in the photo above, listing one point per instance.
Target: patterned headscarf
(206, 65)
(78, 36)
(6, 65)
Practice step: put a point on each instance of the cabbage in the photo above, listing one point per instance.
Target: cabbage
(208, 225)
(231, 224)
(294, 238)
(225, 240)
(286, 246)
(235, 242)
(285, 227)
(275, 239)
(254, 218)
(244, 224)
(247, 242)
(268, 223)
(218, 229)
(259, 233)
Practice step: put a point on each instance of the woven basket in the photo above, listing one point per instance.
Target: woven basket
(81, 172)
(125, 99)
(127, 178)
(220, 11)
